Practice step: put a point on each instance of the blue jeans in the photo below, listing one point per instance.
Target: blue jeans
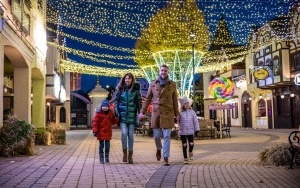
(167, 140)
(127, 132)
(101, 146)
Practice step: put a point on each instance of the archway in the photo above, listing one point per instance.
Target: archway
(18, 71)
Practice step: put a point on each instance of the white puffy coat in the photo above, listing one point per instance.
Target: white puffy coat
(188, 122)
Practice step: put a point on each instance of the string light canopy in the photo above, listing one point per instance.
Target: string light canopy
(72, 66)
(127, 19)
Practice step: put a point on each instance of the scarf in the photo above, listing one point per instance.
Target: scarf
(163, 82)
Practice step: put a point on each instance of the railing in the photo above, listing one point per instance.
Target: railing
(294, 148)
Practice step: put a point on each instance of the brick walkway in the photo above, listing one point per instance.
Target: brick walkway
(229, 162)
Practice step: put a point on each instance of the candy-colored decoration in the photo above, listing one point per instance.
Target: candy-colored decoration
(221, 88)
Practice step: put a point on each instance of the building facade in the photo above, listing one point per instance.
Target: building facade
(23, 60)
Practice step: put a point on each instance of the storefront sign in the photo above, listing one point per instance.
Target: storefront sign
(261, 73)
(297, 79)
(221, 107)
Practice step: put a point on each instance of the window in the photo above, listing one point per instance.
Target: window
(235, 111)
(22, 19)
(295, 62)
(62, 115)
(261, 108)
(212, 114)
(276, 66)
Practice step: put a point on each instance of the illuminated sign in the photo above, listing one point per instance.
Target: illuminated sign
(261, 73)
(220, 106)
(297, 79)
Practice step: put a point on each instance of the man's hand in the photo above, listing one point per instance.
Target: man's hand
(178, 119)
(95, 134)
(141, 116)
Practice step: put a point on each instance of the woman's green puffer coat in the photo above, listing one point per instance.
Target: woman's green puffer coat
(128, 104)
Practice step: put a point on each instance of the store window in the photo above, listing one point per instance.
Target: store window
(62, 115)
(261, 108)
(295, 62)
(235, 111)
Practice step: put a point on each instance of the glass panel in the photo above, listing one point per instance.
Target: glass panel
(261, 108)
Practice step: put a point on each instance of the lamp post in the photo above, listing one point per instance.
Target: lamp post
(192, 38)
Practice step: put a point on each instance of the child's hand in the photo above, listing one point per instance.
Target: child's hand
(141, 116)
(196, 133)
(95, 134)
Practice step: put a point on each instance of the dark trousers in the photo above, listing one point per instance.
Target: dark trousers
(104, 144)
(190, 139)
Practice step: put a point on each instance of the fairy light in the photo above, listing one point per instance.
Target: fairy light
(127, 20)
(91, 42)
(85, 53)
(72, 66)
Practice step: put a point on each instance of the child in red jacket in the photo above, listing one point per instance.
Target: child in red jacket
(102, 129)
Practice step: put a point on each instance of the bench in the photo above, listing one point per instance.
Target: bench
(175, 132)
(207, 129)
(144, 128)
(225, 128)
(294, 147)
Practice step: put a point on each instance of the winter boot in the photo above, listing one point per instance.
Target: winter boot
(106, 157)
(125, 155)
(101, 158)
(130, 161)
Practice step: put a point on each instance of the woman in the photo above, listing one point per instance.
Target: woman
(128, 103)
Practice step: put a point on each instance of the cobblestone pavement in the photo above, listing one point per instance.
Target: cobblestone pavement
(227, 162)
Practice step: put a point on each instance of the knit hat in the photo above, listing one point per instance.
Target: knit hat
(104, 103)
(184, 99)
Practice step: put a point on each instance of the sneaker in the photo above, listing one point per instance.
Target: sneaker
(166, 161)
(101, 160)
(186, 161)
(191, 155)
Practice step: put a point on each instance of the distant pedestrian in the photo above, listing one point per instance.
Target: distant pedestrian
(163, 94)
(188, 126)
(128, 103)
(102, 128)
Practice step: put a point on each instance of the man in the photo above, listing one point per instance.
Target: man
(163, 93)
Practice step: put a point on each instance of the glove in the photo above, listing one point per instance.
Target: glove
(196, 133)
(95, 134)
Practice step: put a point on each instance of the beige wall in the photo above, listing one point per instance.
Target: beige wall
(66, 125)
(38, 103)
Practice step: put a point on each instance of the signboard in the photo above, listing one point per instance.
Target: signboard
(261, 73)
(297, 79)
(221, 107)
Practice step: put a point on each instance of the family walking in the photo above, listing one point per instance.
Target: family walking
(162, 93)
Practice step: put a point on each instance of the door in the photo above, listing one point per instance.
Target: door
(295, 112)
(228, 118)
(247, 122)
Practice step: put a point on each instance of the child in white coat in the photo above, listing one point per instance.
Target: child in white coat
(188, 126)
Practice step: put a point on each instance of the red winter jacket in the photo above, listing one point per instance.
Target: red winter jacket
(102, 124)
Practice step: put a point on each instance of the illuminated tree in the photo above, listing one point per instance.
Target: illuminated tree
(165, 40)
